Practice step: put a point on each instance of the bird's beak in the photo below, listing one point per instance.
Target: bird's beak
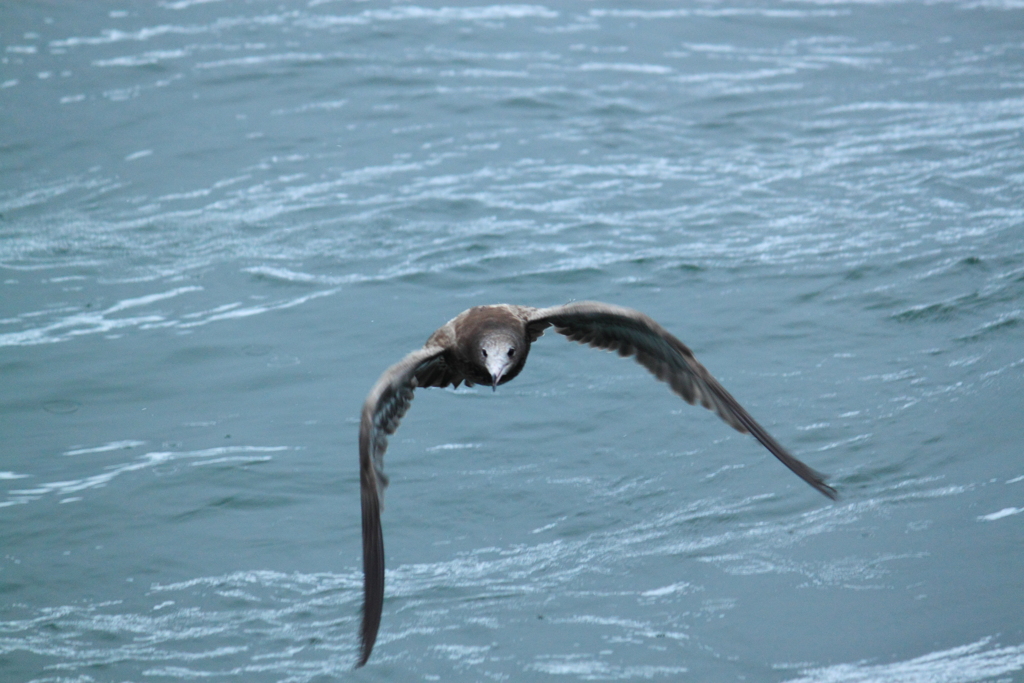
(497, 366)
(497, 369)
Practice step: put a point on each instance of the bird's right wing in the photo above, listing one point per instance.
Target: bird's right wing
(631, 333)
(383, 410)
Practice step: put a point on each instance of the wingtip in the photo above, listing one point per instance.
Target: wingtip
(364, 656)
(367, 638)
(373, 575)
(818, 482)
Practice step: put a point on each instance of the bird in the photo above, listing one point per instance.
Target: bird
(489, 345)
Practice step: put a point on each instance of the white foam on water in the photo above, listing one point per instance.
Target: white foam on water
(978, 661)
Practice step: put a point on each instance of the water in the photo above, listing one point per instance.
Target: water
(220, 221)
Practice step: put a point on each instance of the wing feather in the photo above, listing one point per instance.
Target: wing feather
(383, 410)
(631, 333)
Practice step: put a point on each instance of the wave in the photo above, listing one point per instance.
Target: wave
(981, 660)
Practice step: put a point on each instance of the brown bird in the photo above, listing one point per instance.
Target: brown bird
(489, 345)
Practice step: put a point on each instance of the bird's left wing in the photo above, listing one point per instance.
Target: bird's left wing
(631, 333)
(383, 410)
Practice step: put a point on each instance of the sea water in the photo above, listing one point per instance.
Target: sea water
(220, 221)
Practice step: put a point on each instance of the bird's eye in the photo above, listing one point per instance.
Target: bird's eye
(484, 351)
(511, 352)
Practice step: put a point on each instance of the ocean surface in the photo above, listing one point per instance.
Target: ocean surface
(220, 221)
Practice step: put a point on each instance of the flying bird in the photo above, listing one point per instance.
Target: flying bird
(489, 345)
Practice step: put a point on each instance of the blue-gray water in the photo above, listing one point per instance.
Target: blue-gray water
(220, 221)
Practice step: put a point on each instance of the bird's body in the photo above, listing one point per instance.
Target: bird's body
(489, 345)
(480, 340)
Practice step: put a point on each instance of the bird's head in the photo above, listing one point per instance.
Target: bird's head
(498, 354)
